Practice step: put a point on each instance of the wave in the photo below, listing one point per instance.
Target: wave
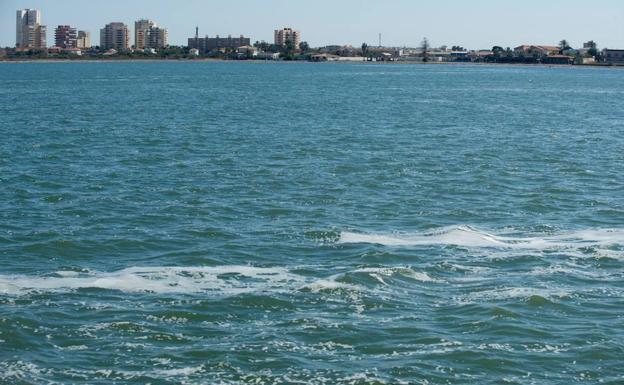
(536, 296)
(407, 272)
(330, 285)
(220, 279)
(470, 237)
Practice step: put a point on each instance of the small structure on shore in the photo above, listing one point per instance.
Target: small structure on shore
(558, 59)
(613, 56)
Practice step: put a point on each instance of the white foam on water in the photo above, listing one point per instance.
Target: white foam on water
(18, 371)
(571, 270)
(220, 279)
(609, 254)
(403, 271)
(184, 372)
(378, 278)
(330, 284)
(522, 293)
(216, 280)
(467, 236)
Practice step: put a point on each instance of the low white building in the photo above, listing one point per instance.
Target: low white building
(267, 56)
(247, 50)
(72, 51)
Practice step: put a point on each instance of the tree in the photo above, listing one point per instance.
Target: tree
(509, 52)
(425, 47)
(593, 52)
(274, 48)
(364, 49)
(262, 46)
(288, 50)
(289, 46)
(564, 46)
(304, 46)
(497, 51)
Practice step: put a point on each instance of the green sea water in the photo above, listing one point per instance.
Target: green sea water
(273, 223)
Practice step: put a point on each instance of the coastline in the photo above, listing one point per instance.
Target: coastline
(214, 60)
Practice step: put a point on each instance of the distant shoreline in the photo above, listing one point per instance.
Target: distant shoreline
(213, 60)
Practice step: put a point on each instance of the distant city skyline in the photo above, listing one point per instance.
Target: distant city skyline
(475, 24)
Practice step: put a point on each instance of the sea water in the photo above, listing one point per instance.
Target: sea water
(275, 223)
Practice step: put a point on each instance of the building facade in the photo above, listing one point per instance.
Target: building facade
(115, 36)
(207, 44)
(141, 33)
(83, 40)
(157, 38)
(613, 56)
(147, 34)
(65, 37)
(281, 36)
(29, 33)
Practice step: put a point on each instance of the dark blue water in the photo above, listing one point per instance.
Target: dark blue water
(251, 223)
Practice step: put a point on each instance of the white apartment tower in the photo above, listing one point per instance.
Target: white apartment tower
(29, 33)
(287, 34)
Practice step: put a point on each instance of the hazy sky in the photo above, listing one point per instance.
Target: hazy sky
(470, 23)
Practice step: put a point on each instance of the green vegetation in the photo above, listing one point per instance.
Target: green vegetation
(365, 51)
(564, 46)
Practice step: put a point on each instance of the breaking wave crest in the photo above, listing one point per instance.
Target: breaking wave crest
(218, 280)
(226, 280)
(466, 236)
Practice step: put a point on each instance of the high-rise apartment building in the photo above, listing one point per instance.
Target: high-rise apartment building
(147, 34)
(116, 36)
(207, 44)
(66, 37)
(141, 32)
(157, 38)
(83, 40)
(287, 34)
(29, 33)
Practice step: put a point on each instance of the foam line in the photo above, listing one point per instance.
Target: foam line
(466, 236)
(221, 279)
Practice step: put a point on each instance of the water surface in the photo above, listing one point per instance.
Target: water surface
(267, 223)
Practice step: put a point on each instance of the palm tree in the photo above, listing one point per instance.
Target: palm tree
(425, 50)
(564, 46)
(509, 52)
(497, 51)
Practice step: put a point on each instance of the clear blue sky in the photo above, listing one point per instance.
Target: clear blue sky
(470, 23)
